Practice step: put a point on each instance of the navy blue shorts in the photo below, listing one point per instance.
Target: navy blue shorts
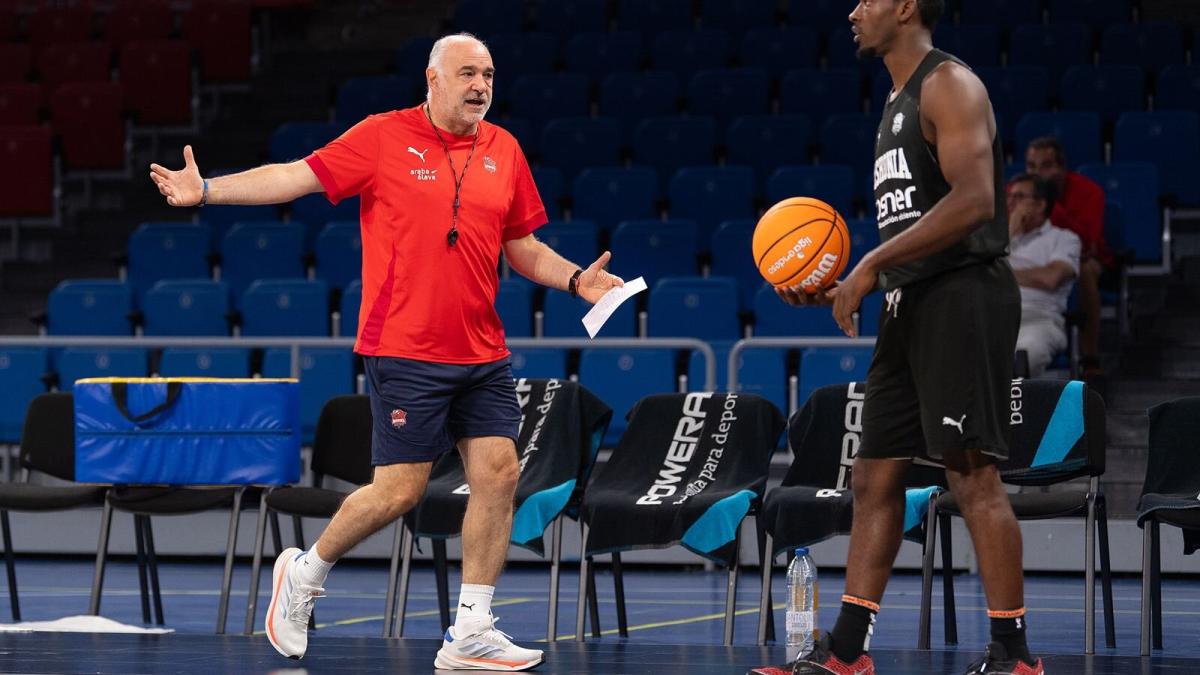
(422, 409)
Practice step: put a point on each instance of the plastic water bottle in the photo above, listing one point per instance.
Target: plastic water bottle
(802, 604)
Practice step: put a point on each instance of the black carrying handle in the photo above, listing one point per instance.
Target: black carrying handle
(120, 394)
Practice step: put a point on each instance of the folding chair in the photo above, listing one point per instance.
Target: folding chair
(814, 501)
(687, 471)
(1056, 434)
(562, 425)
(1169, 497)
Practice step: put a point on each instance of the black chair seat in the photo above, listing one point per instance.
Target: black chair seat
(1188, 519)
(306, 501)
(170, 500)
(30, 497)
(823, 517)
(1031, 505)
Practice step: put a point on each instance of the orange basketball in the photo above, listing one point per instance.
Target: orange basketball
(803, 242)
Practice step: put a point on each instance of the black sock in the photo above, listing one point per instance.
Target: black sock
(852, 632)
(1010, 632)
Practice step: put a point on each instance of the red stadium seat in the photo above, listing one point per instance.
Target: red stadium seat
(87, 117)
(20, 103)
(134, 20)
(74, 62)
(56, 25)
(15, 62)
(156, 75)
(26, 171)
(220, 32)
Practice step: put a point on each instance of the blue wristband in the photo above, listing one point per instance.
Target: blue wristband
(204, 194)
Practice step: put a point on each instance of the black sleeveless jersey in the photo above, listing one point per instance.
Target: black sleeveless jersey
(909, 182)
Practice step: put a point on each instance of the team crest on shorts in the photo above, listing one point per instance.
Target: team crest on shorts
(897, 123)
(489, 164)
(399, 418)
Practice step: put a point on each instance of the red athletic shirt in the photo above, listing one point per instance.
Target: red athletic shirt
(1080, 209)
(421, 298)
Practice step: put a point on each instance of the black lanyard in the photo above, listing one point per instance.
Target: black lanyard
(452, 235)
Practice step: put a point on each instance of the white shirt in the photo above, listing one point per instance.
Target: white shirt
(1039, 248)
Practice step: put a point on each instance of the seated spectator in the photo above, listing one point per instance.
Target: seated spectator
(1079, 208)
(1045, 260)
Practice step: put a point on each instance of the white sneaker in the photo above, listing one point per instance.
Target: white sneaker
(291, 606)
(484, 649)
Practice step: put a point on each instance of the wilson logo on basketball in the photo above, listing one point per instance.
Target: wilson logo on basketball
(399, 418)
(829, 262)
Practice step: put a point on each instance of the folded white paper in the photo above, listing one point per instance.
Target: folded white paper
(599, 313)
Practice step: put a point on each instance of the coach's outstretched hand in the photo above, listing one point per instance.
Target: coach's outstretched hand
(183, 187)
(596, 281)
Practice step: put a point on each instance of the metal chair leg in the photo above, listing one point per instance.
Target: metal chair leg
(406, 547)
(731, 587)
(230, 548)
(10, 565)
(593, 601)
(298, 532)
(152, 566)
(619, 588)
(583, 583)
(950, 619)
(443, 581)
(260, 536)
(555, 573)
(1089, 577)
(101, 555)
(1146, 611)
(925, 619)
(1110, 630)
(1156, 585)
(389, 603)
(766, 563)
(139, 534)
(276, 537)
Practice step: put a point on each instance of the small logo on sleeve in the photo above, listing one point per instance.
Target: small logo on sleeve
(399, 418)
(489, 164)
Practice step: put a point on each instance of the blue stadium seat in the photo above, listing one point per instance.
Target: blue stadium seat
(1150, 44)
(514, 304)
(538, 98)
(219, 219)
(539, 363)
(488, 17)
(21, 373)
(347, 324)
(708, 195)
(842, 52)
(568, 17)
(1178, 88)
(831, 365)
(1107, 90)
(527, 53)
(609, 196)
(684, 52)
(1095, 13)
(821, 14)
(694, 307)
(777, 50)
(523, 131)
(655, 249)
(671, 143)
(775, 318)
(314, 211)
(651, 17)
(1078, 132)
(739, 16)
(1135, 186)
(597, 54)
(767, 142)
(325, 372)
(1168, 139)
(725, 93)
(413, 55)
(89, 307)
(285, 307)
(760, 371)
(621, 378)
(373, 94)
(563, 316)
(573, 143)
(732, 257)
(575, 240)
(339, 254)
(976, 44)
(849, 139)
(1055, 47)
(204, 362)
(1000, 13)
(186, 308)
(630, 97)
(295, 140)
(831, 183)
(166, 251)
(549, 181)
(868, 311)
(77, 363)
(864, 236)
(252, 251)
(1014, 92)
(821, 93)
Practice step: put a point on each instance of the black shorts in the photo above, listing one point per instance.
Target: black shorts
(940, 375)
(422, 409)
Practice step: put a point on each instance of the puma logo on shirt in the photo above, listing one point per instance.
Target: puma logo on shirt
(420, 154)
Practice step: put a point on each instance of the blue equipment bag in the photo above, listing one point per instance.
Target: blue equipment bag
(187, 431)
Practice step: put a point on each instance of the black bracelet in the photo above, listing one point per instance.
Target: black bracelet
(203, 195)
(573, 284)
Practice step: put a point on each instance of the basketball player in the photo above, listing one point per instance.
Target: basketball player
(938, 382)
(443, 193)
